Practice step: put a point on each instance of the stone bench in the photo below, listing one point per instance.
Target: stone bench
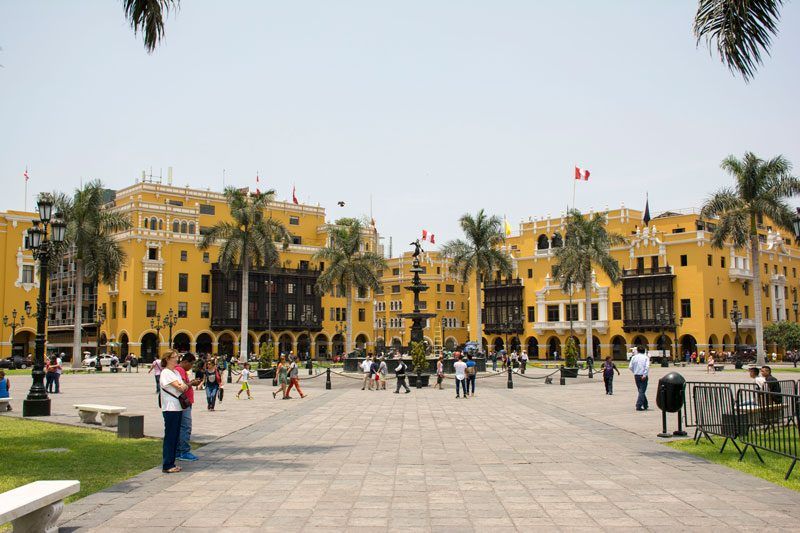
(108, 413)
(36, 506)
(4, 403)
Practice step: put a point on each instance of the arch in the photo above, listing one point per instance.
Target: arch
(304, 345)
(557, 241)
(485, 344)
(150, 347)
(285, 343)
(542, 243)
(688, 344)
(251, 344)
(554, 348)
(182, 342)
(748, 340)
(153, 223)
(596, 348)
(204, 343)
(361, 341)
(103, 342)
(532, 346)
(664, 343)
(225, 343)
(23, 342)
(184, 227)
(619, 348)
(514, 344)
(712, 343)
(160, 224)
(176, 226)
(640, 340)
(191, 228)
(321, 346)
(146, 223)
(450, 344)
(266, 338)
(498, 344)
(338, 344)
(727, 346)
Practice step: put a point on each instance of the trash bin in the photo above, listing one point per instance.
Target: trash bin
(669, 397)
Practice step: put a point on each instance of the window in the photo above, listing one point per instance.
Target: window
(710, 260)
(747, 311)
(686, 308)
(769, 317)
(176, 203)
(151, 309)
(290, 288)
(766, 268)
(182, 309)
(233, 285)
(113, 310)
(183, 227)
(294, 221)
(684, 260)
(205, 257)
(124, 309)
(530, 273)
(124, 275)
(640, 264)
(595, 312)
(303, 265)
(206, 209)
(395, 272)
(233, 309)
(572, 311)
(711, 308)
(616, 310)
(362, 314)
(552, 313)
(152, 254)
(361, 292)
(784, 272)
(176, 226)
(205, 283)
(722, 261)
(27, 273)
(395, 289)
(724, 308)
(297, 240)
(449, 288)
(152, 280)
(183, 282)
(654, 262)
(678, 230)
(204, 310)
(794, 272)
(184, 255)
(531, 314)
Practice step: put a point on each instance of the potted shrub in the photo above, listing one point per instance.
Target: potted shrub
(570, 370)
(419, 363)
(265, 356)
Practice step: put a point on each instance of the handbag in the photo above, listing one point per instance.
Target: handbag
(183, 399)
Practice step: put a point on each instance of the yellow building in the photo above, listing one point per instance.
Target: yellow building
(446, 296)
(668, 264)
(19, 284)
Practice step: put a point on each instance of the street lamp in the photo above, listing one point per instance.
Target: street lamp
(99, 320)
(664, 320)
(170, 321)
(14, 324)
(444, 328)
(308, 320)
(736, 317)
(341, 329)
(157, 325)
(794, 307)
(36, 240)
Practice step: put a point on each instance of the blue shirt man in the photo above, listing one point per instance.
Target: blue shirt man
(640, 367)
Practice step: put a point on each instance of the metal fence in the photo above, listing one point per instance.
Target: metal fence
(689, 411)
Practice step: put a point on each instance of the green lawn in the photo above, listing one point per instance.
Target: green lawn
(773, 469)
(97, 458)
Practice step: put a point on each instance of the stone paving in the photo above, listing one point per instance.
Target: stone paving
(538, 457)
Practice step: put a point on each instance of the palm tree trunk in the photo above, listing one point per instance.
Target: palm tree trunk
(754, 258)
(478, 318)
(587, 287)
(243, 336)
(77, 357)
(349, 336)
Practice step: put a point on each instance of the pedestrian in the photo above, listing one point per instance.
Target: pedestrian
(794, 358)
(494, 361)
(199, 371)
(383, 370)
(439, 373)
(608, 369)
(472, 374)
(523, 362)
(374, 377)
(184, 452)
(59, 371)
(710, 364)
(5, 388)
(50, 373)
(366, 368)
(460, 368)
(281, 372)
(400, 374)
(294, 380)
(171, 386)
(640, 367)
(244, 377)
(213, 382)
(157, 367)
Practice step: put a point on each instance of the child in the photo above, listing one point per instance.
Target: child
(244, 377)
(608, 374)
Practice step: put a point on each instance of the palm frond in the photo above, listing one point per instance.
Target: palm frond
(147, 16)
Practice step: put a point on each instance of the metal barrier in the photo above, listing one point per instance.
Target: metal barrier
(768, 421)
(714, 409)
(689, 420)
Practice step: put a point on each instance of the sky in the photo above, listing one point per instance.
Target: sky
(420, 110)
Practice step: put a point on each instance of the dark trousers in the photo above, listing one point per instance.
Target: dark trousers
(158, 385)
(522, 366)
(57, 379)
(470, 384)
(401, 382)
(609, 381)
(49, 379)
(641, 386)
(211, 394)
(461, 384)
(172, 432)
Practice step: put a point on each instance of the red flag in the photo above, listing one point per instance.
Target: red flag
(433, 238)
(258, 191)
(294, 196)
(581, 174)
(424, 235)
(26, 174)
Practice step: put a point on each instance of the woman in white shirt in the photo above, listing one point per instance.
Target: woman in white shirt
(172, 386)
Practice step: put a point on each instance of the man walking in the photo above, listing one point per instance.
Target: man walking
(400, 373)
(640, 367)
(366, 368)
(523, 362)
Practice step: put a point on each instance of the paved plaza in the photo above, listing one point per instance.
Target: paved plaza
(538, 457)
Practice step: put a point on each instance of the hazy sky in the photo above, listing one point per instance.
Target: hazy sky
(432, 107)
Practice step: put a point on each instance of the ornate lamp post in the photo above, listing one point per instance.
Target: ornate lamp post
(664, 319)
(37, 403)
(383, 348)
(99, 320)
(736, 318)
(157, 325)
(794, 308)
(341, 329)
(308, 320)
(14, 324)
(170, 321)
(444, 328)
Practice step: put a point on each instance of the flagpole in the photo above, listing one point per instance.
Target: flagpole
(25, 200)
(573, 193)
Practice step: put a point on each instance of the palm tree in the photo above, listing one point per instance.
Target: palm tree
(587, 243)
(348, 265)
(247, 241)
(148, 17)
(479, 254)
(760, 190)
(741, 30)
(97, 256)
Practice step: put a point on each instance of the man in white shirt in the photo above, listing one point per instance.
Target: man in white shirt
(365, 368)
(460, 368)
(640, 367)
(523, 362)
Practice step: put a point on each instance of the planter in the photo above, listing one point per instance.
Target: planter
(569, 372)
(266, 373)
(665, 362)
(424, 378)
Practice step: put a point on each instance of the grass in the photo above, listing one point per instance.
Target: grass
(773, 469)
(97, 458)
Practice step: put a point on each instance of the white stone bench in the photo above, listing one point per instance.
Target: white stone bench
(108, 413)
(4, 402)
(35, 507)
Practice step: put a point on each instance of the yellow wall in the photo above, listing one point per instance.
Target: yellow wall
(13, 292)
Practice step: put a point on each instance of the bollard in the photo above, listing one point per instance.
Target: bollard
(591, 371)
(419, 379)
(680, 432)
(328, 379)
(310, 366)
(563, 380)
(510, 383)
